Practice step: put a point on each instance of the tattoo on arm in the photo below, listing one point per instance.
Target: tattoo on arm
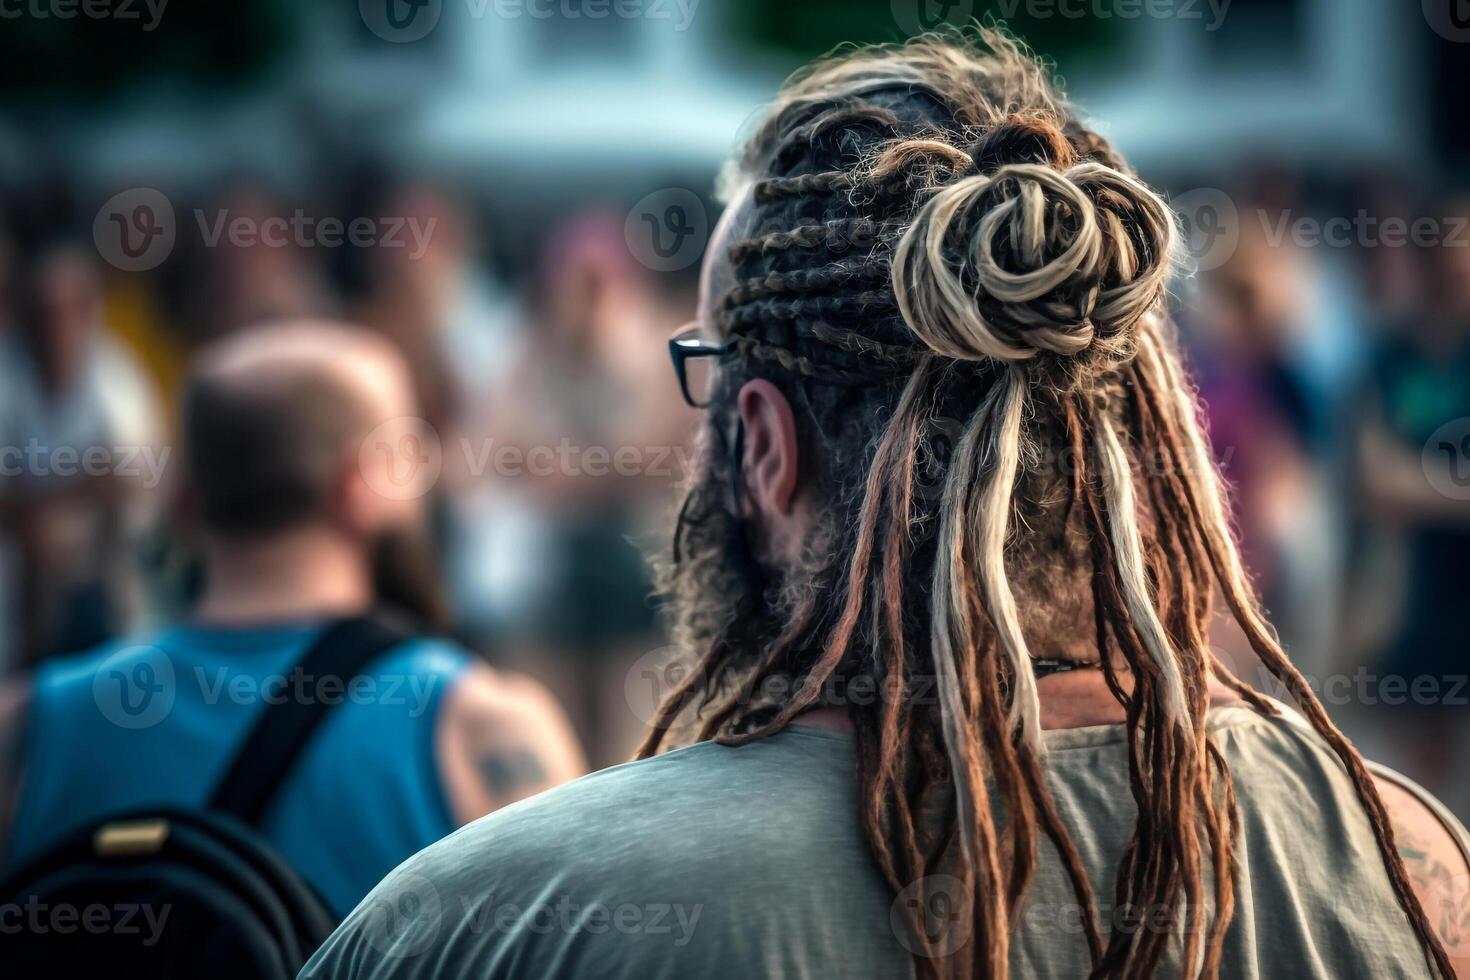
(1444, 891)
(511, 771)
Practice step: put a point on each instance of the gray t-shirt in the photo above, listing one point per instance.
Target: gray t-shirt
(749, 862)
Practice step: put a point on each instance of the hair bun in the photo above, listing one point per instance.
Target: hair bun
(1027, 258)
(1022, 139)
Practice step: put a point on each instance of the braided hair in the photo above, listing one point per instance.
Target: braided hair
(961, 288)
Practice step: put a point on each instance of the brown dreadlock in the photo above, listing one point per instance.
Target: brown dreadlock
(939, 251)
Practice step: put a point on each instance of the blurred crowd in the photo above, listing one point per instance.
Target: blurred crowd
(1332, 377)
(1335, 373)
(527, 389)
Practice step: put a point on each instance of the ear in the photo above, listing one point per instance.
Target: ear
(352, 505)
(771, 461)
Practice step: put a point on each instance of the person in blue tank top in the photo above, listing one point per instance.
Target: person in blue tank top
(308, 471)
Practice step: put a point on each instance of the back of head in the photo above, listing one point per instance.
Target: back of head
(960, 289)
(270, 418)
(304, 445)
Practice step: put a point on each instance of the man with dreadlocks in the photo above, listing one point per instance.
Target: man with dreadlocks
(951, 713)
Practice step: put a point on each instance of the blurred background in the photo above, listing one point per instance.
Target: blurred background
(517, 192)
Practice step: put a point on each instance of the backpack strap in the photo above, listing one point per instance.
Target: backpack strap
(342, 651)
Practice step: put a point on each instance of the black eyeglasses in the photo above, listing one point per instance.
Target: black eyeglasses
(694, 361)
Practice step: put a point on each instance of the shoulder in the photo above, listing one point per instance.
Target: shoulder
(66, 698)
(742, 795)
(501, 737)
(704, 809)
(422, 673)
(1414, 809)
(1432, 843)
(1435, 848)
(734, 848)
(114, 663)
(427, 655)
(483, 695)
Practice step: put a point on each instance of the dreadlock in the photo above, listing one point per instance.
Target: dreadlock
(946, 271)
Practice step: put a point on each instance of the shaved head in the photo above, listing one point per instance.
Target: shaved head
(274, 413)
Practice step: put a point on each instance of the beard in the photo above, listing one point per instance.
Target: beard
(407, 578)
(728, 600)
(714, 577)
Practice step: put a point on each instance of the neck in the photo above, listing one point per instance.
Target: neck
(305, 574)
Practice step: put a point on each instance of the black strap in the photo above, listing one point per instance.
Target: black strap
(342, 651)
